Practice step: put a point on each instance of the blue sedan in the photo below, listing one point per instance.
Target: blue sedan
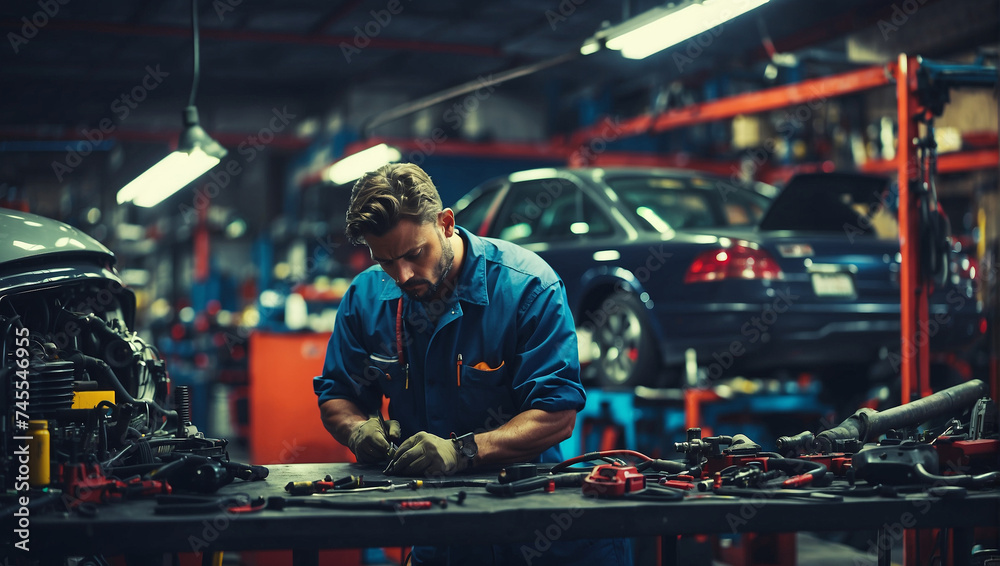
(665, 268)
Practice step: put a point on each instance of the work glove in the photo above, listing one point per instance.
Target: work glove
(425, 454)
(372, 441)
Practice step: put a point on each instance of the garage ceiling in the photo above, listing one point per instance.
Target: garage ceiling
(84, 56)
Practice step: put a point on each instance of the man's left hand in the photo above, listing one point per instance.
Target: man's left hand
(427, 455)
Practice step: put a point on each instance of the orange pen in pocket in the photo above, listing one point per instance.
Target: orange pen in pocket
(458, 370)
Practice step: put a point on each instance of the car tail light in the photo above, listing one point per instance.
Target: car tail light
(735, 262)
(965, 266)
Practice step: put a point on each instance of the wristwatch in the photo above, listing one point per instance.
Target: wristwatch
(466, 446)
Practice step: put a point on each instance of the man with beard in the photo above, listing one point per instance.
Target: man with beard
(471, 340)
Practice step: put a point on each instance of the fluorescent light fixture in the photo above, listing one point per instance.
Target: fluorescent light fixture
(532, 175)
(354, 166)
(196, 154)
(607, 255)
(196, 151)
(590, 46)
(662, 27)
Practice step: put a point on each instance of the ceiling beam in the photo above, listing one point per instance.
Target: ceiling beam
(93, 27)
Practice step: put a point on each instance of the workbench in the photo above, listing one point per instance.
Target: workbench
(130, 527)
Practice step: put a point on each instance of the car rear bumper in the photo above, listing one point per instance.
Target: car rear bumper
(758, 338)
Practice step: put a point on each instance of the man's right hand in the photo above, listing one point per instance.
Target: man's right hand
(370, 441)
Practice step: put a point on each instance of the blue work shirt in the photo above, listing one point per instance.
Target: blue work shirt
(507, 317)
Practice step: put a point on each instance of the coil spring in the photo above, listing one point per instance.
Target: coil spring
(182, 399)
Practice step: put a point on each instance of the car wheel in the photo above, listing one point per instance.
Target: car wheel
(622, 346)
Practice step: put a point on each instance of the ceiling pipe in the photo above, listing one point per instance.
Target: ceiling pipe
(419, 104)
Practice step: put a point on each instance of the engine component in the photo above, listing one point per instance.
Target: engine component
(894, 465)
(609, 480)
(801, 443)
(99, 387)
(867, 424)
(983, 422)
(51, 386)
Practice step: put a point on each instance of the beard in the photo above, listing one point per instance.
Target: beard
(441, 271)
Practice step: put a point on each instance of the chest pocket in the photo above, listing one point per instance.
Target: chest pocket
(481, 375)
(385, 371)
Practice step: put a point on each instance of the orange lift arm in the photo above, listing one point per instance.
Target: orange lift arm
(749, 103)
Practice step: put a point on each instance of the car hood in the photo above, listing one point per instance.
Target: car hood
(26, 236)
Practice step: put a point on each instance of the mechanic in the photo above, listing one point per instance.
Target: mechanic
(473, 343)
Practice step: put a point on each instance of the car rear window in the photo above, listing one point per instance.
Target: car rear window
(665, 203)
(472, 209)
(849, 204)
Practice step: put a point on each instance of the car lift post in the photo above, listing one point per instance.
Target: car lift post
(915, 367)
(921, 92)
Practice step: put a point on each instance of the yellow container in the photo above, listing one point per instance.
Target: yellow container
(38, 452)
(90, 399)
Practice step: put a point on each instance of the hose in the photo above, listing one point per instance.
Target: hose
(528, 484)
(797, 467)
(592, 456)
(100, 366)
(963, 481)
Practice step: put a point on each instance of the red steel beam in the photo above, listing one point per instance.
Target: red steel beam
(168, 137)
(805, 92)
(678, 160)
(956, 162)
(914, 340)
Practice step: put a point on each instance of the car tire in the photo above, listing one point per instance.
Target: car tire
(623, 347)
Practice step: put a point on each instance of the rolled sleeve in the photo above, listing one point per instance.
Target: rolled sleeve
(346, 369)
(548, 377)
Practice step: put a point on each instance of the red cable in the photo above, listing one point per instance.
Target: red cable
(597, 456)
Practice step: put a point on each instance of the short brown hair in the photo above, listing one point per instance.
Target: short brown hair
(380, 199)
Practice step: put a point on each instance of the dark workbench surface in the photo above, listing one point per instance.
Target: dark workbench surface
(125, 527)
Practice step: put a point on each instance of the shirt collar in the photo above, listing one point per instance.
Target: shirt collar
(471, 280)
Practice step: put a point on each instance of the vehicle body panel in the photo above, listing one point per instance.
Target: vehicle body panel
(835, 304)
